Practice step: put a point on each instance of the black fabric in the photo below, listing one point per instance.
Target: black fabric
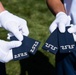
(2, 69)
(65, 63)
(62, 1)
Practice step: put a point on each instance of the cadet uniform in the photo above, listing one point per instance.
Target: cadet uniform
(66, 62)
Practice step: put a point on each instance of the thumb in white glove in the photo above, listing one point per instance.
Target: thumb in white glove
(16, 25)
(6, 50)
(72, 30)
(61, 21)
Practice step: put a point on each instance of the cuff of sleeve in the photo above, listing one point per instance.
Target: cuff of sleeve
(60, 13)
(3, 12)
(5, 57)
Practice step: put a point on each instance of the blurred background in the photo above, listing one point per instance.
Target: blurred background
(39, 18)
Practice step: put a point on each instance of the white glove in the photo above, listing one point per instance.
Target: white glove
(61, 21)
(17, 26)
(6, 50)
(72, 30)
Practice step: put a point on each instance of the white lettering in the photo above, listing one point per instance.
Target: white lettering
(50, 46)
(67, 47)
(20, 55)
(34, 46)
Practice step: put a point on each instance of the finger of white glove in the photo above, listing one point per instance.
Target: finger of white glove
(13, 44)
(74, 36)
(52, 27)
(23, 27)
(25, 30)
(61, 27)
(72, 29)
(5, 56)
(13, 28)
(18, 35)
(8, 57)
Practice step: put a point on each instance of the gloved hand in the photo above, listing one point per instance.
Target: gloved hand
(61, 21)
(72, 30)
(16, 25)
(6, 50)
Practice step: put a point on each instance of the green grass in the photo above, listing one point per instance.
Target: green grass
(39, 19)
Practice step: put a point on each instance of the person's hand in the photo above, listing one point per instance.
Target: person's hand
(6, 50)
(72, 30)
(14, 24)
(61, 21)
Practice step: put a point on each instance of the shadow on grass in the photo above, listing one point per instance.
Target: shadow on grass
(37, 65)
